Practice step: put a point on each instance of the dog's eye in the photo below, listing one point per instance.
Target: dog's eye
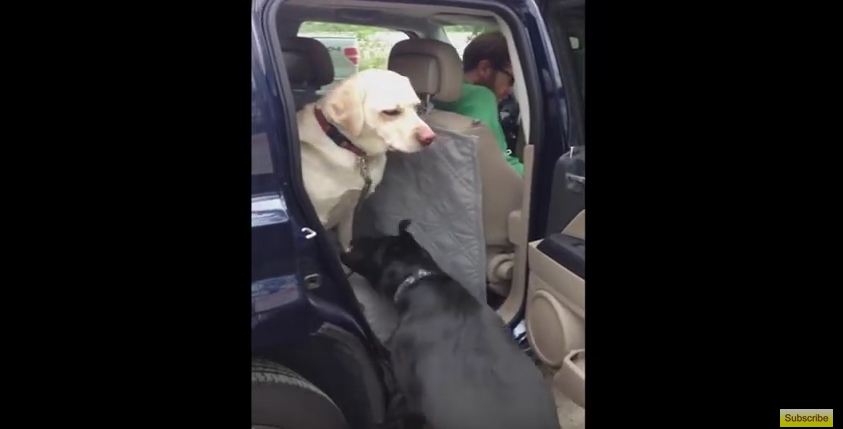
(393, 112)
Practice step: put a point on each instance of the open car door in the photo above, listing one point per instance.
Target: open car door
(555, 298)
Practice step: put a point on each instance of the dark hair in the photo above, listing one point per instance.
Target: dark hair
(487, 46)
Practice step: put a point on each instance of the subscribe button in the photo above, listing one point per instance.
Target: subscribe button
(806, 418)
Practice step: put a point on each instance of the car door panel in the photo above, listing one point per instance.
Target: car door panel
(555, 295)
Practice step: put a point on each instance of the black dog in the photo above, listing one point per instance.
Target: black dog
(456, 363)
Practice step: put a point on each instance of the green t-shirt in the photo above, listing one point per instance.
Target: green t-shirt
(480, 103)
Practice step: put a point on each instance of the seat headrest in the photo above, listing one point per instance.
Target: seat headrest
(307, 61)
(433, 67)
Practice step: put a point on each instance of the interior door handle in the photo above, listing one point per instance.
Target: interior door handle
(575, 183)
(574, 178)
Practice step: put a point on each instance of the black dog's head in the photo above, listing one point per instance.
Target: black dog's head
(386, 261)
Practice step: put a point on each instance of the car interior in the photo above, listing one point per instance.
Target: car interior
(546, 276)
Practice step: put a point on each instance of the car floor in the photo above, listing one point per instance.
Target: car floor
(383, 318)
(571, 415)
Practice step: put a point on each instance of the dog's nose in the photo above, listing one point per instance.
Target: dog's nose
(425, 135)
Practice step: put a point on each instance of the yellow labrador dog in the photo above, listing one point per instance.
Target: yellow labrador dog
(344, 139)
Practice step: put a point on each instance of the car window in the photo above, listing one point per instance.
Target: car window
(353, 47)
(578, 49)
(566, 28)
(261, 158)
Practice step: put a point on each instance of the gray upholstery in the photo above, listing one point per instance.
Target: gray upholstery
(439, 190)
(379, 310)
(502, 186)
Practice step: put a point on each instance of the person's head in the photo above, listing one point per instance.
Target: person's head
(486, 62)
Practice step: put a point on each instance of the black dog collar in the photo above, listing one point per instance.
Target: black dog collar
(412, 280)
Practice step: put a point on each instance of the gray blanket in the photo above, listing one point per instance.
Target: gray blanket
(439, 190)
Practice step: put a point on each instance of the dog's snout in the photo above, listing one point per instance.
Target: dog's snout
(425, 135)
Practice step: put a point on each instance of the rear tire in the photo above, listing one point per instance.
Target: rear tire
(284, 399)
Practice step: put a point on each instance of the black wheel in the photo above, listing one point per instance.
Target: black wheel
(282, 399)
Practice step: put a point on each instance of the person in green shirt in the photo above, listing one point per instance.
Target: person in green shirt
(488, 79)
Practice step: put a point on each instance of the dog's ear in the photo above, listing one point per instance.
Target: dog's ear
(344, 107)
(402, 226)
